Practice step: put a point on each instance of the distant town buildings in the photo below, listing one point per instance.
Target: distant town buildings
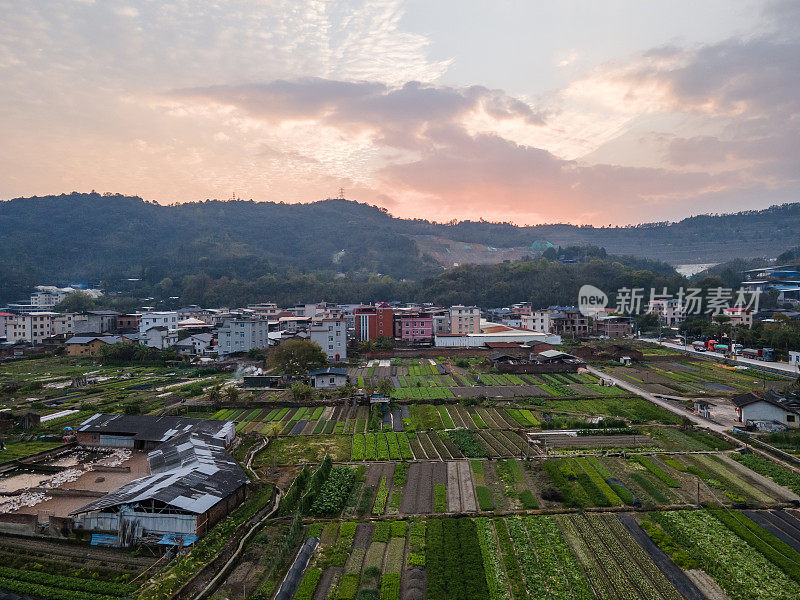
(670, 311)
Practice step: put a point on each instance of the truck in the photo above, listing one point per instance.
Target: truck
(721, 348)
(737, 349)
(699, 346)
(710, 345)
(765, 354)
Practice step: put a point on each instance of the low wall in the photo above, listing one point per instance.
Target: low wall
(537, 368)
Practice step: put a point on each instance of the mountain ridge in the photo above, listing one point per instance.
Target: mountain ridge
(111, 237)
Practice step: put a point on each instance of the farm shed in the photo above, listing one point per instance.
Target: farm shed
(145, 432)
(768, 406)
(194, 483)
(327, 379)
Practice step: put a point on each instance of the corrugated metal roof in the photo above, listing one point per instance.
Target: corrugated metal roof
(190, 472)
(153, 429)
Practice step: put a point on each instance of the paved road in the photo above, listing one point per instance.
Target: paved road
(697, 419)
(778, 366)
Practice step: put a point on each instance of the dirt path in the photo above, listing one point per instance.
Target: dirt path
(708, 586)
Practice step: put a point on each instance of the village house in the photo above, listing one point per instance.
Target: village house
(769, 406)
(328, 379)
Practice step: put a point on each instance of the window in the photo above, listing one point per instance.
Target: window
(790, 418)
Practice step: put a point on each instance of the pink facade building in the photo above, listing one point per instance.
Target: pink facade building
(413, 327)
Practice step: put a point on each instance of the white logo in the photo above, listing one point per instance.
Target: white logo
(591, 300)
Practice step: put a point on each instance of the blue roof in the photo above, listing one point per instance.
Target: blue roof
(328, 371)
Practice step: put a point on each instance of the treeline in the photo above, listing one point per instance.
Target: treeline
(543, 282)
(128, 245)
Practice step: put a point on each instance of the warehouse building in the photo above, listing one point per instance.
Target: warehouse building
(193, 482)
(145, 432)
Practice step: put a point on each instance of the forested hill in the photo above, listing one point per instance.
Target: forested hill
(109, 238)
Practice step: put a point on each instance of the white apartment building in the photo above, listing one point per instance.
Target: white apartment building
(538, 320)
(465, 319)
(47, 296)
(242, 335)
(670, 310)
(32, 327)
(159, 329)
(331, 335)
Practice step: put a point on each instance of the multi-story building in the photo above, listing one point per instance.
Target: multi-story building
(96, 321)
(563, 320)
(242, 335)
(266, 310)
(331, 335)
(47, 296)
(413, 327)
(5, 318)
(670, 310)
(465, 319)
(32, 327)
(373, 322)
(159, 329)
(128, 323)
(612, 326)
(739, 316)
(441, 321)
(538, 320)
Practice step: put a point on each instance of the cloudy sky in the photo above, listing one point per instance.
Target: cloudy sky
(618, 111)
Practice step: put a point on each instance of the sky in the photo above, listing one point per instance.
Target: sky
(613, 112)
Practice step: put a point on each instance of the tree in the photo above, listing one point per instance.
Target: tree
(347, 390)
(76, 302)
(214, 395)
(232, 394)
(301, 391)
(297, 357)
(385, 387)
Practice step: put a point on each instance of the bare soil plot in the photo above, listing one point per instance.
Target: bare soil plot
(503, 420)
(469, 502)
(513, 441)
(418, 492)
(453, 488)
(489, 416)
